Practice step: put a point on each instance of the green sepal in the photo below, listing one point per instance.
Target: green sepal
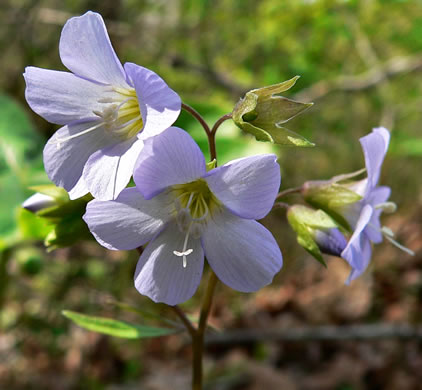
(59, 194)
(211, 165)
(304, 221)
(262, 111)
(65, 216)
(116, 328)
(330, 197)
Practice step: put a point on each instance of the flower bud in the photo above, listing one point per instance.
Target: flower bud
(315, 231)
(332, 197)
(65, 216)
(262, 111)
(330, 241)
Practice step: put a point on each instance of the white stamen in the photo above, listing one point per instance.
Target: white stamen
(190, 200)
(202, 217)
(387, 232)
(107, 100)
(124, 125)
(389, 235)
(58, 141)
(387, 207)
(402, 247)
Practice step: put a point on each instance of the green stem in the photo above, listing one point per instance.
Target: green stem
(185, 320)
(198, 340)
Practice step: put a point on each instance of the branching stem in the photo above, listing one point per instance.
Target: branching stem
(198, 117)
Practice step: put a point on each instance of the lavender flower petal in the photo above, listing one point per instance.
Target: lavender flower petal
(160, 105)
(85, 49)
(79, 189)
(171, 158)
(242, 252)
(364, 251)
(378, 196)
(127, 222)
(374, 147)
(65, 158)
(353, 253)
(61, 97)
(247, 186)
(108, 171)
(160, 274)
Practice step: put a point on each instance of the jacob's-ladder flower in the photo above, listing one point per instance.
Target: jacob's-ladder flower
(107, 111)
(185, 212)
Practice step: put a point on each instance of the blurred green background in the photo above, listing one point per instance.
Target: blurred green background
(360, 62)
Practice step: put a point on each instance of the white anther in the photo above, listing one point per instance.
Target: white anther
(387, 207)
(190, 200)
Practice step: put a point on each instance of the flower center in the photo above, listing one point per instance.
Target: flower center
(194, 203)
(121, 115)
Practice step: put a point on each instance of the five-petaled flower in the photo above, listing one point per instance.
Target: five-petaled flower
(107, 111)
(185, 212)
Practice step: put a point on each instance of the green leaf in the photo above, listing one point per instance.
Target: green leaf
(20, 165)
(116, 328)
(16, 131)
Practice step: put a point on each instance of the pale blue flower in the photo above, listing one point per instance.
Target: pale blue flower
(107, 111)
(364, 216)
(184, 212)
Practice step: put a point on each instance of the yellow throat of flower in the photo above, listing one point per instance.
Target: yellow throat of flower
(194, 204)
(123, 117)
(196, 198)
